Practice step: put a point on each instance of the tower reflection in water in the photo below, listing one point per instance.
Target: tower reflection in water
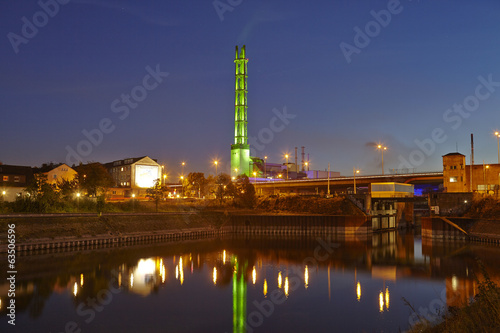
(239, 295)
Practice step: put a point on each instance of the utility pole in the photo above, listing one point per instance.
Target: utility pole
(328, 180)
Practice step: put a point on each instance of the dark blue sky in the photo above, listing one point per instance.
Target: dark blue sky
(395, 90)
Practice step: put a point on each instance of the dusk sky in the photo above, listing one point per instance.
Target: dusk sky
(395, 83)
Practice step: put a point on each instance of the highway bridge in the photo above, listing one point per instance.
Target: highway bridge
(341, 185)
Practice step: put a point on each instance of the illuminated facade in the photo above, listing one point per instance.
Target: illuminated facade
(240, 150)
(60, 173)
(133, 174)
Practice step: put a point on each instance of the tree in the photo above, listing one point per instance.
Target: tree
(67, 188)
(245, 192)
(196, 183)
(224, 187)
(42, 193)
(156, 192)
(94, 179)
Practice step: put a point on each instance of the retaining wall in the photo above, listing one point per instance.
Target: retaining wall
(236, 224)
(486, 231)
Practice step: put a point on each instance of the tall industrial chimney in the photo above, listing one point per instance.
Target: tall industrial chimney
(303, 156)
(296, 166)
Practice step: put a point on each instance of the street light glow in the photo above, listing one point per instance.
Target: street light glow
(382, 148)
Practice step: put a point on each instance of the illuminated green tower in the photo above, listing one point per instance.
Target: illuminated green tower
(240, 150)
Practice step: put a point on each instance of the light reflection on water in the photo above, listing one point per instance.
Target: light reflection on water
(261, 284)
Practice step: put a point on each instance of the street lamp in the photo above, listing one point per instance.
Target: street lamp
(382, 148)
(183, 164)
(164, 179)
(354, 172)
(286, 156)
(182, 183)
(486, 179)
(133, 202)
(307, 166)
(216, 163)
(255, 177)
(497, 134)
(328, 192)
(77, 200)
(265, 168)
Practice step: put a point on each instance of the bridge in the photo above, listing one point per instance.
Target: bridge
(344, 184)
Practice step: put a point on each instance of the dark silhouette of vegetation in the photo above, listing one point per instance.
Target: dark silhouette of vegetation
(93, 179)
(224, 188)
(245, 193)
(156, 193)
(196, 185)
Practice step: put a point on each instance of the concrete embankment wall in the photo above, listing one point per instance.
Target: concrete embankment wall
(480, 230)
(298, 225)
(54, 233)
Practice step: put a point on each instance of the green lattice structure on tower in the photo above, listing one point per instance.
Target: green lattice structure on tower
(240, 150)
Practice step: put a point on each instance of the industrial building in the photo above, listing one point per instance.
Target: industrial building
(457, 175)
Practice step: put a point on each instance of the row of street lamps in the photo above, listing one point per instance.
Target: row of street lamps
(380, 147)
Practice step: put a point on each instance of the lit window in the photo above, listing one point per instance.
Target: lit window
(122, 169)
(16, 179)
(453, 179)
(5, 178)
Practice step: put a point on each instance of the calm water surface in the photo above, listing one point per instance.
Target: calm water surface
(247, 285)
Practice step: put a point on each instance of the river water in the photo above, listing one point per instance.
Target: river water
(240, 284)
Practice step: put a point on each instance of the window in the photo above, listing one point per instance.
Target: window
(54, 176)
(5, 178)
(453, 179)
(16, 179)
(122, 169)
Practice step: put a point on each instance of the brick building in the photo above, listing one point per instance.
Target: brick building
(457, 175)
